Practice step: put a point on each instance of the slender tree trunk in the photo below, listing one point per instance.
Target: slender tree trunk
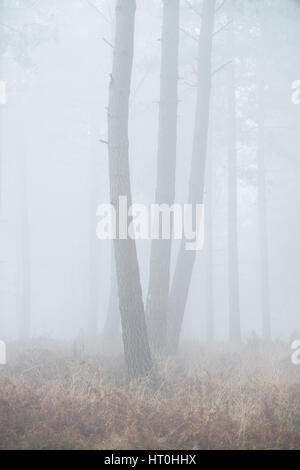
(2, 104)
(112, 323)
(94, 257)
(209, 247)
(24, 296)
(262, 189)
(262, 208)
(159, 280)
(113, 318)
(1, 118)
(1, 148)
(25, 278)
(134, 331)
(233, 257)
(186, 259)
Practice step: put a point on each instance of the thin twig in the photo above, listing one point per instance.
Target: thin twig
(220, 6)
(192, 85)
(222, 28)
(221, 68)
(191, 6)
(139, 85)
(98, 11)
(108, 43)
(190, 35)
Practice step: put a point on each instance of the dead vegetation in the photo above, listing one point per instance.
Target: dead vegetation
(207, 398)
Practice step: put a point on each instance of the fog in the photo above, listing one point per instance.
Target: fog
(56, 61)
(149, 228)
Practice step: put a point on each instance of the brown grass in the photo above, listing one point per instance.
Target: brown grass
(207, 398)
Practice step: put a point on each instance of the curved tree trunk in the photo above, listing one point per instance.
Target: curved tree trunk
(262, 186)
(208, 252)
(160, 258)
(94, 255)
(186, 259)
(262, 209)
(134, 331)
(24, 288)
(233, 256)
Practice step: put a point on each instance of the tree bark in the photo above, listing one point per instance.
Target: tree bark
(262, 187)
(1, 122)
(24, 258)
(262, 209)
(112, 323)
(186, 259)
(94, 255)
(134, 331)
(209, 258)
(160, 258)
(233, 256)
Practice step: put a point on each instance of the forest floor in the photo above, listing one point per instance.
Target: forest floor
(54, 397)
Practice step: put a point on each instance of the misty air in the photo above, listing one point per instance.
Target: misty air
(149, 232)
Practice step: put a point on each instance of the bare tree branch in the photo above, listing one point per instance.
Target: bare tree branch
(192, 85)
(98, 11)
(222, 28)
(107, 42)
(220, 6)
(140, 84)
(191, 7)
(221, 68)
(190, 35)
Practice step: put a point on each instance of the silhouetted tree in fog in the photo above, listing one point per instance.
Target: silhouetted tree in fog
(94, 255)
(24, 249)
(208, 249)
(1, 109)
(134, 331)
(19, 37)
(158, 293)
(262, 198)
(233, 256)
(112, 322)
(186, 259)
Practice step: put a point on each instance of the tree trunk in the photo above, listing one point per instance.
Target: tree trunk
(1, 119)
(262, 208)
(262, 189)
(1, 149)
(94, 256)
(134, 331)
(186, 259)
(24, 288)
(233, 257)
(159, 280)
(112, 323)
(210, 333)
